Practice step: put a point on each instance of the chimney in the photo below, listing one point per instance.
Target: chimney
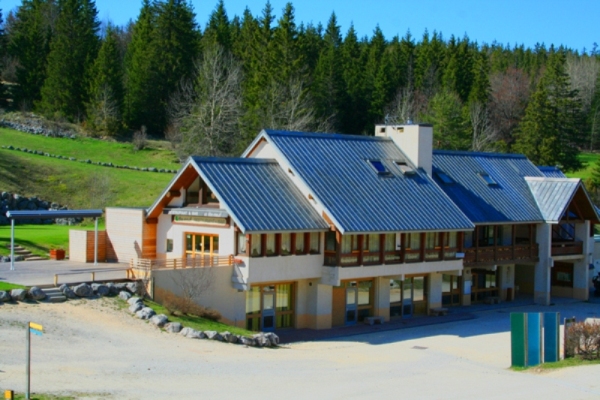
(416, 141)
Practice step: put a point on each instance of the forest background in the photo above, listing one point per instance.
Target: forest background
(210, 91)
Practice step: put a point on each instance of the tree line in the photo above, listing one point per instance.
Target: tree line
(211, 89)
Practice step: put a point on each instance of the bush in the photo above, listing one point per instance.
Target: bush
(177, 305)
(140, 139)
(583, 340)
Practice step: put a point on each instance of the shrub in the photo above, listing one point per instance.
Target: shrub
(177, 305)
(583, 339)
(140, 139)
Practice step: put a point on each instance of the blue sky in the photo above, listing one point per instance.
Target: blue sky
(573, 23)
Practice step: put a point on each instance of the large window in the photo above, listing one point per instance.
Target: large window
(271, 245)
(299, 245)
(201, 245)
(255, 245)
(314, 242)
(241, 243)
(372, 245)
(286, 244)
(260, 298)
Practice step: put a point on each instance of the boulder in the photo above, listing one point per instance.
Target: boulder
(112, 289)
(135, 307)
(134, 299)
(229, 337)
(246, 341)
(273, 338)
(18, 294)
(261, 340)
(173, 327)
(4, 296)
(100, 289)
(69, 293)
(121, 286)
(83, 290)
(159, 320)
(124, 295)
(213, 335)
(145, 313)
(192, 333)
(35, 293)
(132, 287)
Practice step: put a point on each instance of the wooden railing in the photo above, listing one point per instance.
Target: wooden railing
(496, 254)
(389, 257)
(186, 262)
(567, 248)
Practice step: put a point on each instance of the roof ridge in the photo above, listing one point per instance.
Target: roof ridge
(552, 178)
(479, 153)
(344, 136)
(233, 160)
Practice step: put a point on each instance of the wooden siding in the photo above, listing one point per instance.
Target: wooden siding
(81, 246)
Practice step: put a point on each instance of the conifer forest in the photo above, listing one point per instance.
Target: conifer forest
(211, 89)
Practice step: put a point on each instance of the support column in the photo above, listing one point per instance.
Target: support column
(95, 241)
(381, 306)
(581, 279)
(12, 244)
(467, 283)
(506, 281)
(318, 305)
(541, 284)
(434, 297)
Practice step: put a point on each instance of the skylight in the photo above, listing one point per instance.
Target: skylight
(379, 167)
(405, 168)
(444, 178)
(488, 179)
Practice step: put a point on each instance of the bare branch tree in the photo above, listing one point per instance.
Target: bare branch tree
(104, 115)
(205, 112)
(510, 94)
(583, 74)
(99, 190)
(191, 283)
(484, 134)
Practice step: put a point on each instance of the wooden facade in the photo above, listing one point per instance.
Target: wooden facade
(81, 246)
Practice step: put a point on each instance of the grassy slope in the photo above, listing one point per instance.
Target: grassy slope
(9, 286)
(589, 159)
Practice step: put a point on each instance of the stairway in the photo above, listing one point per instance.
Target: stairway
(26, 254)
(54, 295)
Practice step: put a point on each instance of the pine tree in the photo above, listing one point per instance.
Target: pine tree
(550, 131)
(140, 76)
(72, 52)
(106, 92)
(449, 124)
(29, 44)
(352, 118)
(219, 29)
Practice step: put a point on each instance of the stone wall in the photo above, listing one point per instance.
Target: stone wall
(16, 202)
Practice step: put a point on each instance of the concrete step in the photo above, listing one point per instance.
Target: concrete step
(34, 258)
(54, 295)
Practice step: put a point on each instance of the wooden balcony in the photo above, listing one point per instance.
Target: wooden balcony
(490, 255)
(388, 257)
(567, 248)
(185, 262)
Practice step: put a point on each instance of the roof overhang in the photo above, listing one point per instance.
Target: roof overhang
(52, 214)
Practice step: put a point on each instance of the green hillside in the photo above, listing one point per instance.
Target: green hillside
(589, 160)
(78, 184)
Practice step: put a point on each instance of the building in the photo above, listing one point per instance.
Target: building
(312, 230)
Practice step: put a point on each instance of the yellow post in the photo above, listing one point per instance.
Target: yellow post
(55, 279)
(93, 276)
(9, 394)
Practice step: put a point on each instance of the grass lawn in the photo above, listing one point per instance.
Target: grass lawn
(200, 324)
(93, 149)
(35, 396)
(589, 159)
(39, 239)
(8, 286)
(567, 362)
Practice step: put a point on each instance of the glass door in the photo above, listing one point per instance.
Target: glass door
(351, 304)
(407, 297)
(268, 310)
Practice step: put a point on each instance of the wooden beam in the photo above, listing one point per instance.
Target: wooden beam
(152, 221)
(174, 193)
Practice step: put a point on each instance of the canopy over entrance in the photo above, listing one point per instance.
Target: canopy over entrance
(51, 214)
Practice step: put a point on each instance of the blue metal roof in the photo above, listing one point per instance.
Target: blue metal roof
(508, 200)
(553, 195)
(258, 195)
(552, 172)
(356, 194)
(53, 214)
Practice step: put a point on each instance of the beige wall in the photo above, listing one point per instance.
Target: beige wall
(81, 245)
(221, 295)
(415, 141)
(125, 231)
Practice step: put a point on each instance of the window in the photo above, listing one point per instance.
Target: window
(169, 245)
(314, 242)
(299, 243)
(241, 243)
(330, 241)
(390, 242)
(414, 241)
(444, 178)
(562, 274)
(405, 168)
(201, 245)
(379, 167)
(256, 245)
(432, 240)
(349, 244)
(286, 244)
(450, 240)
(487, 179)
(208, 197)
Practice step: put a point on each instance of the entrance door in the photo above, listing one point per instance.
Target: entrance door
(351, 305)
(407, 297)
(268, 312)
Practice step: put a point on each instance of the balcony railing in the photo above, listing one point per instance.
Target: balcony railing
(567, 248)
(186, 262)
(389, 257)
(500, 254)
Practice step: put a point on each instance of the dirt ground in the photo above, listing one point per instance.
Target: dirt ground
(93, 349)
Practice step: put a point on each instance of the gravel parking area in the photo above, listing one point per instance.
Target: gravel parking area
(93, 349)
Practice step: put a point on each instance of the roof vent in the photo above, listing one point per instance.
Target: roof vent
(405, 168)
(487, 178)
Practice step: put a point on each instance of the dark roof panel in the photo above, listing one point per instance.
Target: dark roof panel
(552, 172)
(258, 195)
(337, 170)
(508, 200)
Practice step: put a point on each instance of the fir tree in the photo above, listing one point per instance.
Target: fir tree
(72, 52)
(219, 30)
(549, 133)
